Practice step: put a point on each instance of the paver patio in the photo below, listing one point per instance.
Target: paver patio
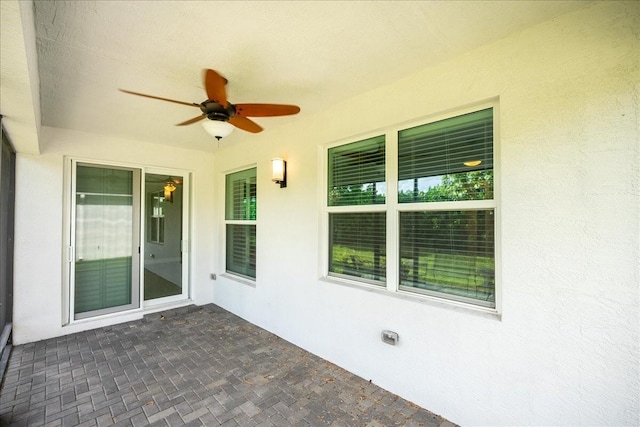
(192, 366)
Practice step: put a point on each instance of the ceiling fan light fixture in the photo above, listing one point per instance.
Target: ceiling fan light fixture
(169, 188)
(217, 128)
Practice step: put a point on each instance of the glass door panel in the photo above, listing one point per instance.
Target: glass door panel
(164, 260)
(106, 236)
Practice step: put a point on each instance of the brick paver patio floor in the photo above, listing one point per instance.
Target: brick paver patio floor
(192, 366)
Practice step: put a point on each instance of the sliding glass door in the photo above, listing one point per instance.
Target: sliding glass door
(105, 239)
(128, 238)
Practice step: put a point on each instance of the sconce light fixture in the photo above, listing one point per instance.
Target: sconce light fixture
(217, 128)
(169, 188)
(279, 172)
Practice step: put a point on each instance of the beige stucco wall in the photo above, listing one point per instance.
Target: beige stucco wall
(564, 349)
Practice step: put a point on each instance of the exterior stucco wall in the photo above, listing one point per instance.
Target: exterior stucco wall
(565, 348)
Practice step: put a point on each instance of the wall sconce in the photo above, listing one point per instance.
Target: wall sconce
(279, 172)
(169, 188)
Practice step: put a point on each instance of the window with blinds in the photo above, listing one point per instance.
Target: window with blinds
(241, 195)
(240, 215)
(241, 249)
(448, 160)
(448, 253)
(443, 217)
(357, 239)
(357, 242)
(357, 173)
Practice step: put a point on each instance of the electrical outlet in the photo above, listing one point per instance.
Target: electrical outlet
(390, 337)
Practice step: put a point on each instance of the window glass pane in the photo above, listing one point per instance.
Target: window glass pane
(241, 249)
(357, 245)
(450, 253)
(357, 173)
(448, 160)
(241, 200)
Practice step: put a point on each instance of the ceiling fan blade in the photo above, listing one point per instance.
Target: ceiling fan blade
(266, 110)
(190, 104)
(190, 121)
(245, 124)
(214, 84)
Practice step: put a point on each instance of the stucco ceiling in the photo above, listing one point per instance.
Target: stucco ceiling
(309, 53)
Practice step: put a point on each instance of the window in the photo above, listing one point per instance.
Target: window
(357, 218)
(240, 216)
(156, 217)
(443, 217)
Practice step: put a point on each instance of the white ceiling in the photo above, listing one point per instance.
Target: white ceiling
(309, 53)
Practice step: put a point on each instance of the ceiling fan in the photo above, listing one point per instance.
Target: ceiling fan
(221, 113)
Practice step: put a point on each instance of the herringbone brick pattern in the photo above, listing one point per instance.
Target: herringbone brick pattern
(194, 366)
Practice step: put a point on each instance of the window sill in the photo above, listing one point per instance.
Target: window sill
(239, 279)
(489, 313)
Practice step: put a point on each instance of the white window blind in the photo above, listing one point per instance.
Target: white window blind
(357, 173)
(447, 160)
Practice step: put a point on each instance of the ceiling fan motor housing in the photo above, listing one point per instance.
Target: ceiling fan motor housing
(215, 111)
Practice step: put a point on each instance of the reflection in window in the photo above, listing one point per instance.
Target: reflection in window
(156, 217)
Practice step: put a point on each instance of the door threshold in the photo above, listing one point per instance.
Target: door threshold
(175, 306)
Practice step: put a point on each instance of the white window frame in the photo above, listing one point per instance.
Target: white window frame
(251, 281)
(393, 209)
